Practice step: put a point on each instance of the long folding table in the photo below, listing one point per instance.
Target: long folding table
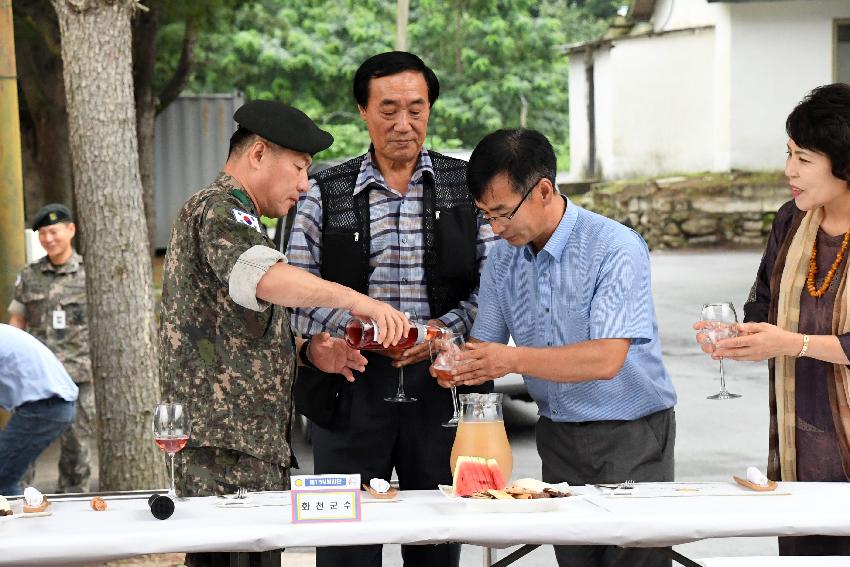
(75, 534)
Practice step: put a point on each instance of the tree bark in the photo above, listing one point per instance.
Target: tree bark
(97, 52)
(145, 27)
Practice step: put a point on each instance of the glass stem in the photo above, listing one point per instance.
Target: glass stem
(400, 393)
(172, 492)
(722, 379)
(454, 402)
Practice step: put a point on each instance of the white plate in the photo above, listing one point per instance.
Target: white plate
(505, 506)
(27, 515)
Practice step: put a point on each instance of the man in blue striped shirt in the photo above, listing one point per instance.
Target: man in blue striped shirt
(397, 223)
(573, 289)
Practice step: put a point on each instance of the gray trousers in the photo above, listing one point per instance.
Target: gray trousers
(598, 452)
(75, 444)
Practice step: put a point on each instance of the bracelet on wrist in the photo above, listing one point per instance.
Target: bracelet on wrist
(302, 354)
(805, 346)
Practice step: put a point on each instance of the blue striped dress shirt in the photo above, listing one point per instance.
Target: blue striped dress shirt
(29, 371)
(396, 261)
(590, 281)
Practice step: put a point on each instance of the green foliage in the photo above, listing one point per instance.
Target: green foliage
(498, 61)
(582, 20)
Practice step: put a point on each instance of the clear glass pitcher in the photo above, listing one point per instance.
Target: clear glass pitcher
(481, 431)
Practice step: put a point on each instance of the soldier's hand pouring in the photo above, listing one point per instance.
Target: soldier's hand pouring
(393, 324)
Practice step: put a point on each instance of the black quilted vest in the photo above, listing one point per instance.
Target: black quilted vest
(449, 224)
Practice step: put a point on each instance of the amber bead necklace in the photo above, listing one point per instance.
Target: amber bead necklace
(813, 268)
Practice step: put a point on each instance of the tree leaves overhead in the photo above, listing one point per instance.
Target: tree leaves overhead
(498, 60)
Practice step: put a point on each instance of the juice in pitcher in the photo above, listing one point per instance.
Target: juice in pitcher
(481, 431)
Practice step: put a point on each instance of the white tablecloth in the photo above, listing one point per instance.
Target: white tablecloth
(76, 533)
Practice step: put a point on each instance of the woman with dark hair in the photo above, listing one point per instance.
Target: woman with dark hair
(798, 312)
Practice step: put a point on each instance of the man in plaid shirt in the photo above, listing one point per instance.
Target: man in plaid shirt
(398, 224)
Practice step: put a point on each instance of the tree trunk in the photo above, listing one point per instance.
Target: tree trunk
(402, 18)
(96, 51)
(145, 28)
(40, 80)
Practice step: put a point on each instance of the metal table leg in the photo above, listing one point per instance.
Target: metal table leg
(676, 556)
(513, 556)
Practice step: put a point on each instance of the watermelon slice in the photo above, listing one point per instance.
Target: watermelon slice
(466, 478)
(496, 474)
(483, 473)
(476, 474)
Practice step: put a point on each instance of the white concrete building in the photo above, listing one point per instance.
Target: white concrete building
(700, 85)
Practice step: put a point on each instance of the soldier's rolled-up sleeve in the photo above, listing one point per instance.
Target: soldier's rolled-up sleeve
(250, 267)
(17, 306)
(238, 254)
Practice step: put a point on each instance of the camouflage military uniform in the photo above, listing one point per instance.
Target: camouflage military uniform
(41, 290)
(211, 470)
(223, 352)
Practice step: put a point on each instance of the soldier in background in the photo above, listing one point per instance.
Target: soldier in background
(50, 303)
(226, 349)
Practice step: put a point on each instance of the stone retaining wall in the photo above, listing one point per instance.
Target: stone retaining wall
(715, 210)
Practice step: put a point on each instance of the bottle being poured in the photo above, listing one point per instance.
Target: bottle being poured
(364, 334)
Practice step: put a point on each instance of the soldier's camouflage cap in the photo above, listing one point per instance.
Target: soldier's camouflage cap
(51, 214)
(284, 125)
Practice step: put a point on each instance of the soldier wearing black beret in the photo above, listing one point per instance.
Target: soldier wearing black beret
(226, 348)
(51, 214)
(50, 303)
(284, 125)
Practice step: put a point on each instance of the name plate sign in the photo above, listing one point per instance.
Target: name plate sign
(326, 498)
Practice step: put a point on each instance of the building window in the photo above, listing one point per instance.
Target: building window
(842, 51)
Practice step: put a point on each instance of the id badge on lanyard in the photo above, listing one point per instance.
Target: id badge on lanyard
(59, 319)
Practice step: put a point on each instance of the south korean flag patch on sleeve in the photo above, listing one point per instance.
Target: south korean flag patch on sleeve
(246, 218)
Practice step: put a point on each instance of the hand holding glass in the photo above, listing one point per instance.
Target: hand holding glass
(171, 428)
(721, 323)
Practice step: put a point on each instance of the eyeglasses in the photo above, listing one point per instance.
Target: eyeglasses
(507, 218)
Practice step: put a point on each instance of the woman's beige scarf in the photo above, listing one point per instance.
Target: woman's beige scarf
(788, 317)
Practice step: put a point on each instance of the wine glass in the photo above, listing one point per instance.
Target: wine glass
(447, 347)
(171, 427)
(722, 323)
(400, 397)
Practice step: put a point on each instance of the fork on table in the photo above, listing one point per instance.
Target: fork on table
(626, 485)
(240, 494)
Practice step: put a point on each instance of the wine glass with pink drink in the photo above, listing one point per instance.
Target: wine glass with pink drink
(171, 428)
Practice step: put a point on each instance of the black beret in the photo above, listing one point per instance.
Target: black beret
(284, 125)
(51, 214)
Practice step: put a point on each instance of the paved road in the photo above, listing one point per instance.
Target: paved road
(715, 438)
